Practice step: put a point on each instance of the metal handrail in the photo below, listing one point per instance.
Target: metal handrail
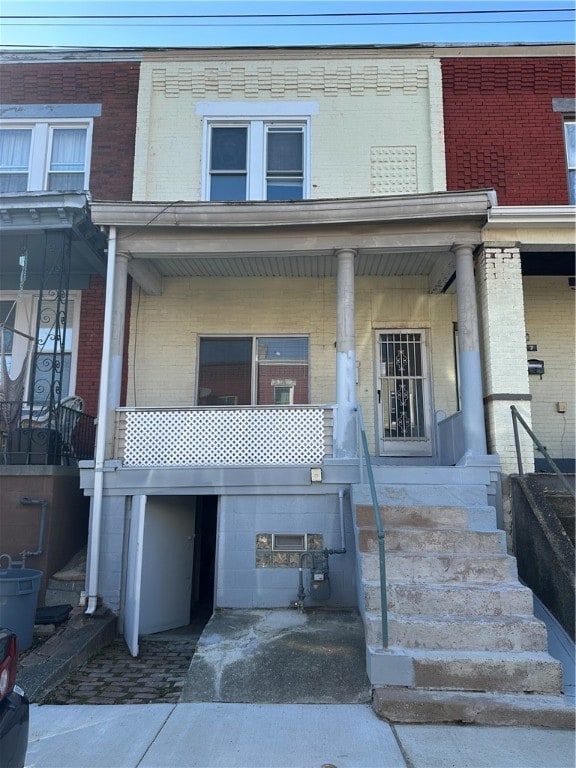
(517, 418)
(379, 528)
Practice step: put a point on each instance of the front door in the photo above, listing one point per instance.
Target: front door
(403, 391)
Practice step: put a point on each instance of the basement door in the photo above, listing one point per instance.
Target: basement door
(403, 393)
(160, 566)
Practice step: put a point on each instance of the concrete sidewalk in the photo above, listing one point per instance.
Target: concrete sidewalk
(216, 735)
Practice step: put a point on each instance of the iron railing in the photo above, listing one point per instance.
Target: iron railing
(517, 418)
(50, 436)
(379, 528)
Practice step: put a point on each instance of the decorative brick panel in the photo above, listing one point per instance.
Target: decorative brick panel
(501, 130)
(244, 82)
(393, 170)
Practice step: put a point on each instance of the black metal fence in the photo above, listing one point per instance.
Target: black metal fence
(36, 435)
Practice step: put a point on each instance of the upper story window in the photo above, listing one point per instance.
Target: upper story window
(44, 155)
(570, 136)
(256, 161)
(256, 150)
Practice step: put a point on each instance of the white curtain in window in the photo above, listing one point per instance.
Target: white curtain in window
(67, 159)
(14, 159)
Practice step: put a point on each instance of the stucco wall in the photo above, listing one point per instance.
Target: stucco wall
(378, 127)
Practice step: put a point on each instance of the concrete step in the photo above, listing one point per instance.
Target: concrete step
(455, 599)
(410, 705)
(465, 670)
(430, 516)
(433, 540)
(528, 672)
(474, 633)
(398, 492)
(63, 591)
(433, 568)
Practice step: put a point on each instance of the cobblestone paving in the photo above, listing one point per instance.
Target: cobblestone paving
(115, 677)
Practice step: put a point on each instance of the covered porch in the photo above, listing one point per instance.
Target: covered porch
(423, 243)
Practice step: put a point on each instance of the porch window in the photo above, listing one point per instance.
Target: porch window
(57, 345)
(262, 370)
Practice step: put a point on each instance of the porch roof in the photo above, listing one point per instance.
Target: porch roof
(394, 236)
(27, 217)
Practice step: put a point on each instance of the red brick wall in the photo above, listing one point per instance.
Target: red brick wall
(90, 347)
(501, 131)
(114, 85)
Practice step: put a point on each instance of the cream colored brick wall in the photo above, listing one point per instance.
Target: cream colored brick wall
(550, 321)
(378, 129)
(165, 330)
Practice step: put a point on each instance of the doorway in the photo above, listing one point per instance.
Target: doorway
(403, 392)
(171, 565)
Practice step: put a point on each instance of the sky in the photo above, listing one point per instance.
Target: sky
(220, 23)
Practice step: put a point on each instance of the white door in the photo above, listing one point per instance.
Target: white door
(168, 558)
(134, 574)
(403, 392)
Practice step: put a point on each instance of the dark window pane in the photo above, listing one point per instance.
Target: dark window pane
(284, 151)
(228, 151)
(225, 372)
(284, 190)
(228, 187)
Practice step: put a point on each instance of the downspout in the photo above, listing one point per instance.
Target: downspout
(100, 448)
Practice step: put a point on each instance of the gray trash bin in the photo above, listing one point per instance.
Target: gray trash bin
(18, 596)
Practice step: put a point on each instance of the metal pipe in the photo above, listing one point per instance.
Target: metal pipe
(341, 492)
(93, 564)
(43, 504)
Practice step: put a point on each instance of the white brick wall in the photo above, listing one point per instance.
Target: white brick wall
(367, 110)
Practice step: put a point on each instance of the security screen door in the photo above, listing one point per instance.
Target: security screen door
(403, 393)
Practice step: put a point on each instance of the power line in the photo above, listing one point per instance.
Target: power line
(347, 15)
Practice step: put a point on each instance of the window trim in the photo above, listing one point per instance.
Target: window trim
(256, 116)
(41, 148)
(570, 169)
(255, 362)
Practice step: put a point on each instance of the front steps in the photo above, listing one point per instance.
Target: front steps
(464, 645)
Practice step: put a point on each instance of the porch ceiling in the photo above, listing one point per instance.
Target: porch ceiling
(393, 236)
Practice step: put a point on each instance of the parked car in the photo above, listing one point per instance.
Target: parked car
(14, 706)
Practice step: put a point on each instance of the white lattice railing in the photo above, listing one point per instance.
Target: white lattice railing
(184, 437)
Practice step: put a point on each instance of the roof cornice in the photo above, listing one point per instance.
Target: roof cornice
(506, 216)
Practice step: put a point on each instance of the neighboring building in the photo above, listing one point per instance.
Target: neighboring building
(509, 121)
(67, 125)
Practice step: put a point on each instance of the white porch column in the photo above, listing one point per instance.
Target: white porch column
(469, 354)
(116, 346)
(345, 430)
(506, 382)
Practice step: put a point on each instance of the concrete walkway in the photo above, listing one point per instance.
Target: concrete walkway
(210, 735)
